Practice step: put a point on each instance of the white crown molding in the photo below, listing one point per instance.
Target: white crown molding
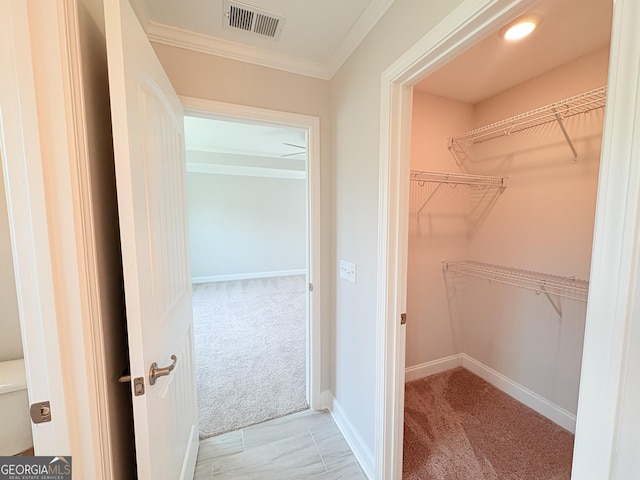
(177, 37)
(244, 171)
(245, 153)
(358, 32)
(198, 42)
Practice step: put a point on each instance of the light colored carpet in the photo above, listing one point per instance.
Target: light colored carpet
(457, 426)
(250, 351)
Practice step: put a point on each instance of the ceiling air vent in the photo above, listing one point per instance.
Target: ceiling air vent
(252, 19)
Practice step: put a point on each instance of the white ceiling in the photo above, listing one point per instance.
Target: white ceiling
(244, 139)
(569, 29)
(318, 35)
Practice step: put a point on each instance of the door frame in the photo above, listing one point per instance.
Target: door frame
(53, 237)
(311, 124)
(612, 339)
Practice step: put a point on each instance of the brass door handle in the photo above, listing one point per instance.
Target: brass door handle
(155, 372)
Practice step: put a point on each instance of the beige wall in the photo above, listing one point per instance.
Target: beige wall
(439, 231)
(542, 222)
(554, 195)
(213, 78)
(10, 338)
(355, 104)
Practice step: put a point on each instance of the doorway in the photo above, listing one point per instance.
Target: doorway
(266, 243)
(457, 32)
(500, 227)
(247, 214)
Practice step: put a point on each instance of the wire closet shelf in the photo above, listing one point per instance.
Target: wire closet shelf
(554, 112)
(454, 179)
(457, 178)
(567, 287)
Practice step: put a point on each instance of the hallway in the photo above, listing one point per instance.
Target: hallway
(302, 445)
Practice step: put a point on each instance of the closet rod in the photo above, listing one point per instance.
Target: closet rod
(554, 112)
(541, 283)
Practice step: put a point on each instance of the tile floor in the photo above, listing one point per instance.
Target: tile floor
(304, 445)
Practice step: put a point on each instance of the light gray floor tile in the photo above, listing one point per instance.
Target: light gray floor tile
(333, 447)
(293, 458)
(306, 445)
(280, 428)
(220, 445)
(203, 471)
(345, 472)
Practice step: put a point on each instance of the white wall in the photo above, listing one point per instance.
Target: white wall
(10, 339)
(241, 225)
(543, 221)
(355, 104)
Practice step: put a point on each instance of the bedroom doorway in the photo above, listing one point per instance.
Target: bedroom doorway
(250, 227)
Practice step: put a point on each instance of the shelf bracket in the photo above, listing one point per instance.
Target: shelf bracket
(556, 306)
(566, 135)
(435, 190)
(452, 150)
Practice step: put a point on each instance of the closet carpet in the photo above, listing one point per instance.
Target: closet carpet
(457, 426)
(250, 351)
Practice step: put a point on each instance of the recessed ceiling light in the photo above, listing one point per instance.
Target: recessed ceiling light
(520, 29)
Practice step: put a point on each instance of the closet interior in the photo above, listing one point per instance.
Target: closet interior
(505, 156)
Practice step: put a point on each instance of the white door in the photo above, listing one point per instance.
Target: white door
(20, 159)
(150, 176)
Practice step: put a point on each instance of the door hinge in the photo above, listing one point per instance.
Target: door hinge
(403, 318)
(40, 412)
(311, 287)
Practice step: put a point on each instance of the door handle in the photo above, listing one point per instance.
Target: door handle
(155, 372)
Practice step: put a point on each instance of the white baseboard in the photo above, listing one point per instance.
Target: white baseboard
(359, 448)
(326, 400)
(544, 407)
(431, 368)
(531, 399)
(248, 276)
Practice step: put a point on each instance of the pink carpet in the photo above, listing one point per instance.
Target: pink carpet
(459, 427)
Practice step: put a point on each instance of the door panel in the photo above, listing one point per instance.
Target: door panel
(21, 161)
(150, 176)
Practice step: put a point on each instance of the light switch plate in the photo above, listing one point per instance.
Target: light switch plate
(348, 271)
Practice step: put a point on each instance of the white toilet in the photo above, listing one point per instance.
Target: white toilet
(15, 434)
